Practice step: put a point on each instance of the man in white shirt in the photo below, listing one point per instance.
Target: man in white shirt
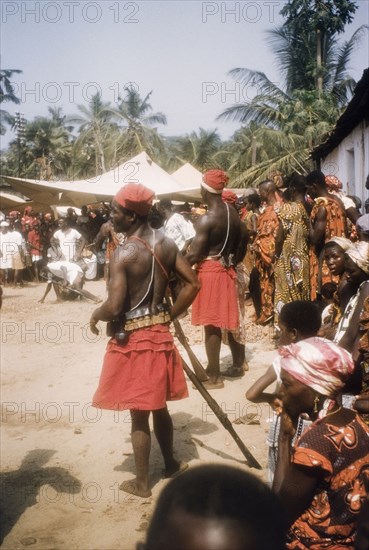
(69, 240)
(5, 257)
(175, 226)
(11, 252)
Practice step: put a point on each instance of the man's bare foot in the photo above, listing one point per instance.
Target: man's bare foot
(245, 366)
(177, 469)
(234, 372)
(131, 488)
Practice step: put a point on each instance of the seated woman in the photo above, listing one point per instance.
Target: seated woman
(297, 320)
(321, 482)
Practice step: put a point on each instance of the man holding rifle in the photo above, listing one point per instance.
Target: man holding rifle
(142, 368)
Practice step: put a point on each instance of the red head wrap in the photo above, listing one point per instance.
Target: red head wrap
(135, 197)
(214, 181)
(229, 197)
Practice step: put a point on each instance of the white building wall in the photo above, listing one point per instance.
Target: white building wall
(350, 162)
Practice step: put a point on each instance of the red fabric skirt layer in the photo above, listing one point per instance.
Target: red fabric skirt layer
(143, 374)
(216, 303)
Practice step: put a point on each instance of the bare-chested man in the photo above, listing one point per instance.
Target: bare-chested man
(142, 368)
(216, 249)
(112, 239)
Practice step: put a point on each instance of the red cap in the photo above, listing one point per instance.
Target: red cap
(215, 181)
(135, 197)
(229, 196)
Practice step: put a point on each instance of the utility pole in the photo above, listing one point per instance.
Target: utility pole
(20, 129)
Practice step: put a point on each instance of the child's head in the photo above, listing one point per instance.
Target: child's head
(334, 254)
(298, 320)
(327, 292)
(216, 506)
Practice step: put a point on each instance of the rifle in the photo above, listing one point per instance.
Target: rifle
(82, 292)
(200, 376)
(197, 366)
(221, 415)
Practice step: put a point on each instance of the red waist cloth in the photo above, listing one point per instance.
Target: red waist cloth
(216, 303)
(143, 374)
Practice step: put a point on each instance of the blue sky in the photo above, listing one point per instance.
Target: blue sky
(182, 50)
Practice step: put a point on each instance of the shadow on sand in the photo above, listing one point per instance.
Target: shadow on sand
(20, 488)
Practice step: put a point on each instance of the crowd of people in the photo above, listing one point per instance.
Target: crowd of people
(279, 246)
(299, 250)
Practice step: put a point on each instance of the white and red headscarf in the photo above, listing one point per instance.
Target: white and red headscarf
(318, 363)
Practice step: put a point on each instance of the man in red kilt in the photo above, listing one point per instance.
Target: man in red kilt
(142, 368)
(216, 249)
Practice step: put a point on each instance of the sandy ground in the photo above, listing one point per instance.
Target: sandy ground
(63, 460)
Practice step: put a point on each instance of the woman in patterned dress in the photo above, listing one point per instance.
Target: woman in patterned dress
(291, 269)
(322, 481)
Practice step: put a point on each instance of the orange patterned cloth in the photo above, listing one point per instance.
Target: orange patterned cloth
(341, 453)
(264, 246)
(336, 226)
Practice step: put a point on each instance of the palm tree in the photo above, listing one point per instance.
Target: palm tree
(320, 21)
(47, 148)
(296, 116)
(134, 115)
(94, 129)
(7, 94)
(200, 149)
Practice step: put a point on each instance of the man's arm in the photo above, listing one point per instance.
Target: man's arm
(100, 238)
(242, 246)
(81, 243)
(117, 290)
(190, 285)
(294, 485)
(279, 240)
(317, 233)
(200, 244)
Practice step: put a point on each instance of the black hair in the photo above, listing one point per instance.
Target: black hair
(254, 198)
(265, 182)
(222, 493)
(297, 181)
(166, 204)
(317, 177)
(328, 290)
(303, 316)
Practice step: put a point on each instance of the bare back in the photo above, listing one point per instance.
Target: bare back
(211, 233)
(146, 275)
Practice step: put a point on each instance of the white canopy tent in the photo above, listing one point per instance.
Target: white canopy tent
(9, 202)
(139, 169)
(188, 176)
